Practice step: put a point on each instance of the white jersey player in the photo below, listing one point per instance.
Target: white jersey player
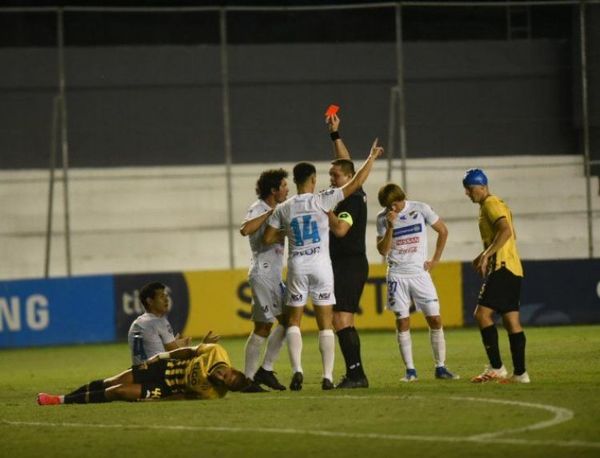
(265, 278)
(304, 220)
(402, 238)
(149, 335)
(151, 332)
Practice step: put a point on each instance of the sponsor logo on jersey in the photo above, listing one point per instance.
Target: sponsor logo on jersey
(412, 229)
(413, 214)
(307, 252)
(324, 295)
(296, 297)
(410, 249)
(407, 241)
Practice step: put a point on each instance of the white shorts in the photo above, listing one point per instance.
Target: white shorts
(318, 283)
(267, 298)
(420, 290)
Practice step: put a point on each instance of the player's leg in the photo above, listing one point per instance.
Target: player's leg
(398, 301)
(517, 340)
(499, 294)
(253, 348)
(100, 384)
(509, 310)
(404, 340)
(293, 337)
(489, 337)
(426, 299)
(297, 295)
(324, 316)
(322, 294)
(275, 340)
(349, 284)
(265, 374)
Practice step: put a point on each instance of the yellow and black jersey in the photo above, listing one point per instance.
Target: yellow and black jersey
(491, 210)
(191, 376)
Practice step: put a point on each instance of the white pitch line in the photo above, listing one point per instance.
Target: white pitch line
(561, 415)
(233, 429)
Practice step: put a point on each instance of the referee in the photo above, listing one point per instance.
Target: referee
(347, 224)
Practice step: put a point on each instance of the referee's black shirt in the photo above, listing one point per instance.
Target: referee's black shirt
(353, 243)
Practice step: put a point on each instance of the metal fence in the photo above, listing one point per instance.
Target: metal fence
(230, 96)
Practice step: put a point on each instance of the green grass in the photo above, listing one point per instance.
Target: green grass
(426, 418)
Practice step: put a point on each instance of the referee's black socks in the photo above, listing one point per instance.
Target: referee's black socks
(350, 346)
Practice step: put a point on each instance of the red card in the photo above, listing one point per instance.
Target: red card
(331, 110)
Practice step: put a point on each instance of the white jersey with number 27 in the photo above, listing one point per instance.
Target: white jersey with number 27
(304, 219)
(409, 237)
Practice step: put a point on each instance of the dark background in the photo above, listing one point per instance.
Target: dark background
(145, 88)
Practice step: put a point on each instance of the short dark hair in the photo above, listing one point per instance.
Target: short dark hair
(302, 171)
(268, 180)
(148, 291)
(389, 194)
(346, 165)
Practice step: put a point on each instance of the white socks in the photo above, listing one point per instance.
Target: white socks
(327, 349)
(253, 348)
(274, 344)
(438, 346)
(405, 346)
(294, 342)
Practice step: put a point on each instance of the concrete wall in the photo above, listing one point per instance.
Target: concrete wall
(161, 105)
(156, 219)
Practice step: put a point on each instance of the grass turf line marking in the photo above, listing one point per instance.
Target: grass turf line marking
(561, 415)
(233, 429)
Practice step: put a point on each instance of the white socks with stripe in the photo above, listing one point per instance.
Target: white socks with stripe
(274, 344)
(438, 346)
(294, 342)
(405, 346)
(253, 349)
(327, 349)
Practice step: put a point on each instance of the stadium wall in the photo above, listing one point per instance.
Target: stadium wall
(161, 105)
(100, 308)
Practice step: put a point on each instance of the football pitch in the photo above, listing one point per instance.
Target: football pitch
(557, 415)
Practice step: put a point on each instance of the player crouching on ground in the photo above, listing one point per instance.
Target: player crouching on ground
(201, 372)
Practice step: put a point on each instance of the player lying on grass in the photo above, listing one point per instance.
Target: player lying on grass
(201, 372)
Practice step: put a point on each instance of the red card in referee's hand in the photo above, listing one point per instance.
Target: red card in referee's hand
(331, 110)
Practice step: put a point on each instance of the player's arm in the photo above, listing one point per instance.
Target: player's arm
(339, 149)
(340, 224)
(384, 242)
(363, 172)
(250, 226)
(179, 353)
(442, 236)
(503, 234)
(271, 235)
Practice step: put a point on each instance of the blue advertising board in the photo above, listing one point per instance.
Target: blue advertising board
(552, 293)
(57, 311)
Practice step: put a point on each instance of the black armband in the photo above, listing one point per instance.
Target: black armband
(334, 136)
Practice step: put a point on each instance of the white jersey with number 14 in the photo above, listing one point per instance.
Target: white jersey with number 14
(304, 219)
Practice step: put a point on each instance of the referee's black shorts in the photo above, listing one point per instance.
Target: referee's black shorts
(501, 291)
(349, 275)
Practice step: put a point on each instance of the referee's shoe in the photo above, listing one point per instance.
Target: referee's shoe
(347, 382)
